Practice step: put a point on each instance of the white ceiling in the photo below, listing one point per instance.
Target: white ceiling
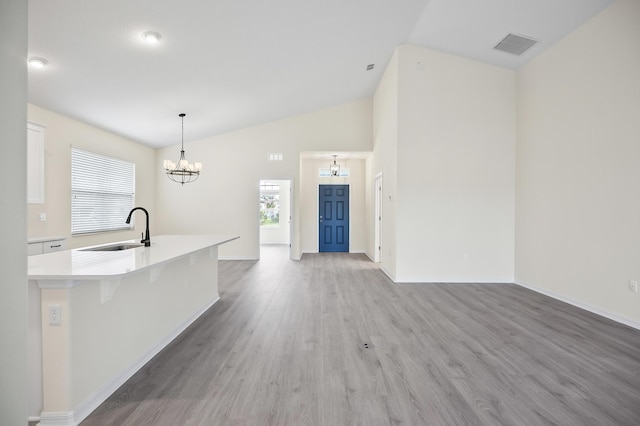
(233, 64)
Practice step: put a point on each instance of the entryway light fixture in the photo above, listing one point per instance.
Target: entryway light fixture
(334, 169)
(183, 172)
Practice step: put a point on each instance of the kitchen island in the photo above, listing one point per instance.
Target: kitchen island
(101, 315)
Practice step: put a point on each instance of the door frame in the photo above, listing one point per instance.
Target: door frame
(317, 232)
(377, 197)
(291, 213)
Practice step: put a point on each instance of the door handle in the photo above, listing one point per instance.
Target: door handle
(320, 219)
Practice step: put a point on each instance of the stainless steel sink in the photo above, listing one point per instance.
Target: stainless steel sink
(115, 247)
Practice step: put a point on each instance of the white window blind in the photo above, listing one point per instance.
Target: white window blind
(102, 192)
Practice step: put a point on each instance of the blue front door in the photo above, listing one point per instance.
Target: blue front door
(334, 218)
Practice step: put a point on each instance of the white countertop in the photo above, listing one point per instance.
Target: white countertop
(78, 264)
(44, 239)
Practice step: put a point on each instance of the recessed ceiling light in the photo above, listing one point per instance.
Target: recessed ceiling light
(36, 62)
(151, 37)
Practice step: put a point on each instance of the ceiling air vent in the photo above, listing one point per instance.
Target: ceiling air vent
(514, 44)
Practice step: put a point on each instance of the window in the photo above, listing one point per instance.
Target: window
(269, 205)
(344, 172)
(102, 192)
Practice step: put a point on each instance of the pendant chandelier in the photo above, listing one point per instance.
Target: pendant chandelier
(182, 172)
(334, 168)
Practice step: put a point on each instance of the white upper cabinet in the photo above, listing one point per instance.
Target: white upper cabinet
(35, 163)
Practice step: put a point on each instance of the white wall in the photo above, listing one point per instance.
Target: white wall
(61, 134)
(456, 177)
(455, 147)
(384, 160)
(13, 181)
(279, 235)
(224, 199)
(309, 197)
(578, 180)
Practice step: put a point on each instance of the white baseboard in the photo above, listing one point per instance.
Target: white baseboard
(57, 418)
(387, 273)
(581, 305)
(90, 403)
(349, 252)
(456, 280)
(237, 258)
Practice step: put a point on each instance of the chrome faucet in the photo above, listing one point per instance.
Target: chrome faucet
(146, 240)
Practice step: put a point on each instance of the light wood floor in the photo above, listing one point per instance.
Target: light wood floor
(330, 340)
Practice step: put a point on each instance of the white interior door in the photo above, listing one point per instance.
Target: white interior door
(377, 252)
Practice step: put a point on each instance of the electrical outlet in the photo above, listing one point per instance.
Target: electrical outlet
(633, 286)
(55, 315)
(42, 217)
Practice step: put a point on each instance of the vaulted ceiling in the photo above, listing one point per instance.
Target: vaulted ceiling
(233, 64)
